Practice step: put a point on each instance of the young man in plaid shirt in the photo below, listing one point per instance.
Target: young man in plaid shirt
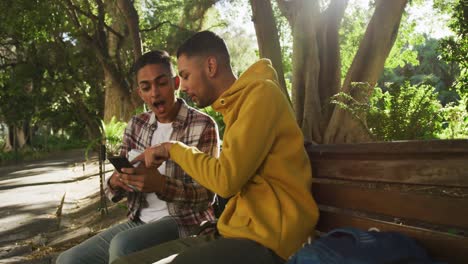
(164, 208)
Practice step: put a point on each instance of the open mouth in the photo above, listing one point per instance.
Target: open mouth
(158, 103)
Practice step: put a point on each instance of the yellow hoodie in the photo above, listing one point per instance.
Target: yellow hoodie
(263, 165)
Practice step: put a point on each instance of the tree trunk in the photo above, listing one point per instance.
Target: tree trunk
(330, 61)
(16, 138)
(267, 37)
(118, 100)
(8, 146)
(367, 67)
(303, 16)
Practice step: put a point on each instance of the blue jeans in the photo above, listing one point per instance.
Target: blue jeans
(121, 240)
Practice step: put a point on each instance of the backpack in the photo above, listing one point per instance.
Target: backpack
(354, 246)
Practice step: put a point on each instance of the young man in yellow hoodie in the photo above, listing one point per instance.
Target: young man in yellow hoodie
(263, 165)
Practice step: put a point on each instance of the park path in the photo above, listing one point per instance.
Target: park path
(30, 200)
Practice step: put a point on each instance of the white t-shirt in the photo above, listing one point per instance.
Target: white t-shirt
(157, 208)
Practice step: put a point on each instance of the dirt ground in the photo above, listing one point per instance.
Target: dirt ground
(50, 205)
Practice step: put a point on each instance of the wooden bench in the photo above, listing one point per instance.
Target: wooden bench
(418, 188)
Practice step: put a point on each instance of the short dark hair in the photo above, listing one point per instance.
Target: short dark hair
(205, 43)
(153, 57)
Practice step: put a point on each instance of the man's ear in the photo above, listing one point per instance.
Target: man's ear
(176, 82)
(212, 64)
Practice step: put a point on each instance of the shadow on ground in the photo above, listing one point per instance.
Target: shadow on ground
(63, 232)
(38, 231)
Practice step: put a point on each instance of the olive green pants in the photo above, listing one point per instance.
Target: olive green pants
(206, 250)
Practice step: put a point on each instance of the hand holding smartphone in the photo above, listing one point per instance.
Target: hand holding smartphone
(120, 162)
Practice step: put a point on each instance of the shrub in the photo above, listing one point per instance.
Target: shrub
(402, 112)
(112, 137)
(405, 112)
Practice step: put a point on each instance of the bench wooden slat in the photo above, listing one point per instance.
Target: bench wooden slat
(451, 212)
(429, 162)
(385, 149)
(442, 172)
(448, 248)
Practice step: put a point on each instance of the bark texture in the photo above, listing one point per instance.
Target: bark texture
(267, 37)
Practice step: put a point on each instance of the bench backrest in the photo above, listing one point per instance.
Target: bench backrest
(419, 188)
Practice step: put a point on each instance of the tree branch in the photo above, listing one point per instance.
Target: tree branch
(132, 20)
(155, 27)
(160, 25)
(92, 17)
(70, 9)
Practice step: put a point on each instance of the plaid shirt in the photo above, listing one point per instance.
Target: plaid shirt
(188, 202)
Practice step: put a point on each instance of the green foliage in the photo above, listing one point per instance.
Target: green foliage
(49, 143)
(455, 48)
(228, 19)
(429, 69)
(166, 24)
(356, 108)
(46, 79)
(405, 112)
(351, 33)
(455, 119)
(402, 112)
(112, 137)
(437, 82)
(286, 42)
(43, 146)
(17, 156)
(113, 132)
(160, 17)
(402, 52)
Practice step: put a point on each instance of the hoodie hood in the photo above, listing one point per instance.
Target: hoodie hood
(262, 70)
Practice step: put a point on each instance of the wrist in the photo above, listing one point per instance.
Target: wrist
(167, 147)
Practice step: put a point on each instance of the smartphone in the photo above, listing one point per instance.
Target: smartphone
(120, 162)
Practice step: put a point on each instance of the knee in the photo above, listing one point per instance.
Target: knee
(69, 256)
(119, 246)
